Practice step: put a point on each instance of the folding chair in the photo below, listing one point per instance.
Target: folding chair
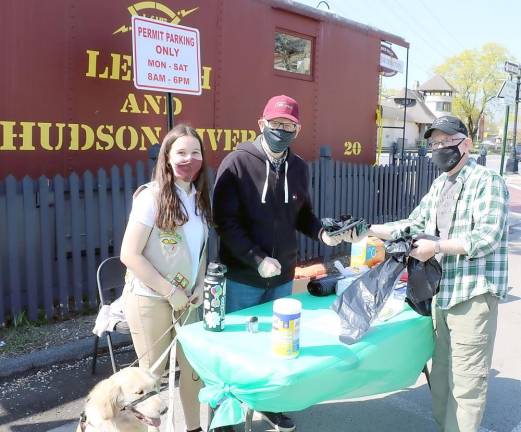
(111, 280)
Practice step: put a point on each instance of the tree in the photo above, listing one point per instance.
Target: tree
(476, 75)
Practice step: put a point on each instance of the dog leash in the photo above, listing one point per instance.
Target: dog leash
(159, 338)
(173, 342)
(172, 348)
(83, 421)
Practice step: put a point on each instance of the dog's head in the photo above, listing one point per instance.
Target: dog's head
(131, 389)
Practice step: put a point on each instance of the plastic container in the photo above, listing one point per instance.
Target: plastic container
(369, 251)
(286, 328)
(252, 324)
(214, 297)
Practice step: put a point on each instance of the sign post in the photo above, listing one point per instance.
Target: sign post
(510, 93)
(504, 146)
(515, 167)
(167, 58)
(390, 65)
(512, 68)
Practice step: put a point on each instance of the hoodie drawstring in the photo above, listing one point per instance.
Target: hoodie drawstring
(286, 183)
(265, 188)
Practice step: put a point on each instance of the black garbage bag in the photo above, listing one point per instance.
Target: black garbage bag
(324, 286)
(344, 223)
(361, 302)
(423, 282)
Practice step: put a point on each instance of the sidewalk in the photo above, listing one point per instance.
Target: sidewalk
(75, 350)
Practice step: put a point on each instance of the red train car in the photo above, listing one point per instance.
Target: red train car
(68, 102)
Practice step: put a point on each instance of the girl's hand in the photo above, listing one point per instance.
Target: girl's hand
(178, 299)
(196, 299)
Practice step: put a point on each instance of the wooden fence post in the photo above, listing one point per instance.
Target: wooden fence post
(61, 249)
(327, 184)
(30, 270)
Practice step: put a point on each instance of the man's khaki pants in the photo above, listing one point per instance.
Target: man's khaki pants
(148, 318)
(465, 336)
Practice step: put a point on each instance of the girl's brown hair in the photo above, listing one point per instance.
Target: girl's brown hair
(170, 210)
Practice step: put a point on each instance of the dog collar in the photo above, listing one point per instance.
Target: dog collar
(139, 400)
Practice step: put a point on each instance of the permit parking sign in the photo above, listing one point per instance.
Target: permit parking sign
(167, 57)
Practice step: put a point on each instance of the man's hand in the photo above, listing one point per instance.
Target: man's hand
(331, 240)
(351, 236)
(178, 299)
(423, 249)
(269, 267)
(196, 299)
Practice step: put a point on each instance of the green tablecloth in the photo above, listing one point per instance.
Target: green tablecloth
(240, 371)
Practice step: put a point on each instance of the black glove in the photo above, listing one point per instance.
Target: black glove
(344, 224)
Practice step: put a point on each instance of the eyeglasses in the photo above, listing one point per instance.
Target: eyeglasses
(433, 145)
(288, 127)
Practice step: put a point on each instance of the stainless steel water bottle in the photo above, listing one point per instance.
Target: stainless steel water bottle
(214, 297)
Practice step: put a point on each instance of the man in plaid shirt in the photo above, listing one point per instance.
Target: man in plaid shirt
(467, 208)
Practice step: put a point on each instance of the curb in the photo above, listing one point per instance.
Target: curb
(76, 350)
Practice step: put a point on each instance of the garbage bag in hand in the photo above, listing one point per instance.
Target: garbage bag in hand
(345, 223)
(423, 277)
(361, 302)
(424, 280)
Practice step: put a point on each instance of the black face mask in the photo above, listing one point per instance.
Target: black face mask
(446, 158)
(278, 140)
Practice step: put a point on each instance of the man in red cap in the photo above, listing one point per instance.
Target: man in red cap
(260, 201)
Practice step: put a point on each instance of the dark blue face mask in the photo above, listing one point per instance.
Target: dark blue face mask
(278, 140)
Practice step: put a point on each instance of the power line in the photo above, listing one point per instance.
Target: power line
(360, 15)
(425, 41)
(402, 16)
(445, 29)
(394, 28)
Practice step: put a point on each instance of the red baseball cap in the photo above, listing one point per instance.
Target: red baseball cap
(281, 106)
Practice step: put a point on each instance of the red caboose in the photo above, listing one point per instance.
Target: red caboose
(68, 102)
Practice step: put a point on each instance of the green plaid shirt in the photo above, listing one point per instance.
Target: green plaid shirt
(480, 220)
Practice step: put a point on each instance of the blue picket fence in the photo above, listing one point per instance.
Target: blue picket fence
(57, 230)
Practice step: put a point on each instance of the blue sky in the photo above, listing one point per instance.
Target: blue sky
(436, 30)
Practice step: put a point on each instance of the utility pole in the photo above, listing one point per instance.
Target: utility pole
(514, 140)
(510, 92)
(505, 135)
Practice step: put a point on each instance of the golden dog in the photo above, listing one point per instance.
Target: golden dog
(128, 401)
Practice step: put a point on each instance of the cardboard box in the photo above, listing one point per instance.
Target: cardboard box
(300, 285)
(369, 251)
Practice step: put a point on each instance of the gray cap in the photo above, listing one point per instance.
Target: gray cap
(449, 124)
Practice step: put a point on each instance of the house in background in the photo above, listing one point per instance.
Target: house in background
(430, 100)
(438, 94)
(418, 119)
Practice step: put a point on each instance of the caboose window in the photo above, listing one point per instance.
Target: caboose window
(292, 54)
